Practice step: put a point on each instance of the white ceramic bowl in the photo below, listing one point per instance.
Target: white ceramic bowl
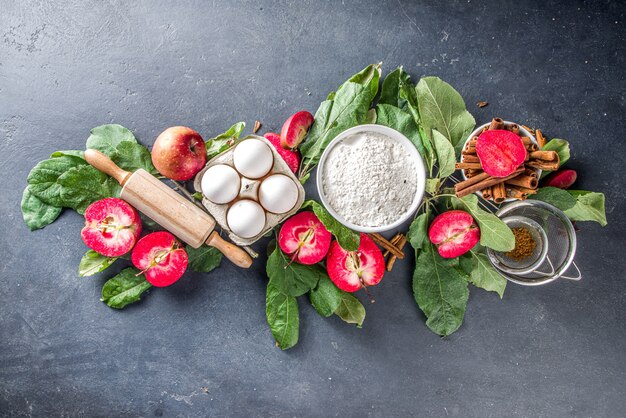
(522, 131)
(406, 143)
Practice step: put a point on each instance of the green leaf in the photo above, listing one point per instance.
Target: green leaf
(433, 185)
(494, 233)
(442, 108)
(203, 259)
(43, 178)
(556, 197)
(589, 207)
(124, 289)
(84, 185)
(445, 154)
(481, 273)
(371, 117)
(418, 231)
(369, 76)
(391, 92)
(224, 141)
(292, 279)
(197, 196)
(561, 146)
(282, 316)
(132, 156)
(106, 138)
(304, 178)
(36, 213)
(440, 291)
(326, 297)
(93, 262)
(350, 310)
(346, 108)
(409, 94)
(401, 121)
(347, 238)
(68, 153)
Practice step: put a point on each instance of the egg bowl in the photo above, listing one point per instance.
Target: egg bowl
(414, 155)
(249, 189)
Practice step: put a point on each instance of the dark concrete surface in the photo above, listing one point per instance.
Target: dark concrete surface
(202, 347)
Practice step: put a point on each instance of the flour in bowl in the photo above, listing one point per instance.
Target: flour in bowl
(369, 179)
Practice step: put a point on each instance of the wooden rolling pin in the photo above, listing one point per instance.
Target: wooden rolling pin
(167, 208)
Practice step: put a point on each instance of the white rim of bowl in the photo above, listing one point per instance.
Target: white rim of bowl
(395, 135)
(523, 130)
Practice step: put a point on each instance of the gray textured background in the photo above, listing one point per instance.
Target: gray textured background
(202, 347)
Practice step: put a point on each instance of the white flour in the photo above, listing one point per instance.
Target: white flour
(369, 179)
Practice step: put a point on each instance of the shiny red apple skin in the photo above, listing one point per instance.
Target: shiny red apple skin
(179, 153)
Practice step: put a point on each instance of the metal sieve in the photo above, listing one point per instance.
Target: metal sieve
(555, 241)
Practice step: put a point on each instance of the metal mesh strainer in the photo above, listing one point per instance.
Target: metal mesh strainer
(555, 247)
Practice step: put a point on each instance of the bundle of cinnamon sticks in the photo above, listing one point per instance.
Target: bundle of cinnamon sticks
(393, 248)
(519, 184)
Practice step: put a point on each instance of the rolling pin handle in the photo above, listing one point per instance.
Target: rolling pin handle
(103, 163)
(235, 254)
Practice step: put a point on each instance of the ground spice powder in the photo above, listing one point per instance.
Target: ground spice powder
(524, 244)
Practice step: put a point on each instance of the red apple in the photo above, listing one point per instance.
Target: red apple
(295, 129)
(304, 238)
(563, 179)
(454, 233)
(179, 153)
(112, 227)
(353, 270)
(291, 157)
(161, 257)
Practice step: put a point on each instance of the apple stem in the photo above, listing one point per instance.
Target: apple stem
(367, 292)
(292, 258)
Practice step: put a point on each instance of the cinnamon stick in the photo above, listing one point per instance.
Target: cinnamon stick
(526, 140)
(523, 180)
(531, 147)
(393, 258)
(472, 185)
(393, 241)
(471, 181)
(496, 123)
(487, 193)
(499, 193)
(530, 172)
(524, 190)
(469, 150)
(544, 165)
(531, 130)
(540, 139)
(464, 166)
(514, 128)
(472, 173)
(380, 240)
(547, 156)
(516, 194)
(469, 158)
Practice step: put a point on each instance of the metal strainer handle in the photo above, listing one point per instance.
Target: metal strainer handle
(577, 277)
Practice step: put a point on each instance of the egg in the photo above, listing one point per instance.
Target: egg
(278, 194)
(253, 158)
(220, 183)
(246, 218)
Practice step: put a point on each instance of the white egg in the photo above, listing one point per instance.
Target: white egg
(278, 193)
(220, 183)
(253, 158)
(246, 218)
